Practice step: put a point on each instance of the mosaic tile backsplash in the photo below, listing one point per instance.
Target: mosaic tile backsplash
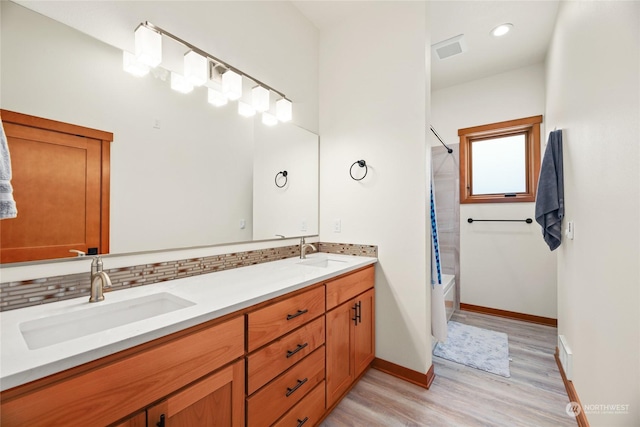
(51, 289)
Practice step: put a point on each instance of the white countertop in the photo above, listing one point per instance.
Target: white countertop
(213, 294)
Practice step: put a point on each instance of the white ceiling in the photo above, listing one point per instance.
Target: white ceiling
(327, 13)
(527, 43)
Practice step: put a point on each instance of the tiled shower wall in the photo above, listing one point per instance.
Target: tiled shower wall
(446, 183)
(51, 289)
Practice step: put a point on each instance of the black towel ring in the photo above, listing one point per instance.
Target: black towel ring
(284, 174)
(362, 164)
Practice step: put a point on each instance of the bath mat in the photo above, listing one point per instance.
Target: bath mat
(476, 347)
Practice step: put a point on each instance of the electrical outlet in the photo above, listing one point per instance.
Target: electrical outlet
(337, 226)
(156, 124)
(303, 225)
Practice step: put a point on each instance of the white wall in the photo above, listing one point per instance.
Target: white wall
(502, 265)
(293, 209)
(270, 40)
(593, 95)
(373, 107)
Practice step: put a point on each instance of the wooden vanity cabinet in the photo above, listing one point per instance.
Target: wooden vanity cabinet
(286, 363)
(304, 351)
(215, 401)
(138, 420)
(172, 369)
(308, 412)
(350, 339)
(271, 322)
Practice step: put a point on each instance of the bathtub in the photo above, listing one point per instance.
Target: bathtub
(449, 284)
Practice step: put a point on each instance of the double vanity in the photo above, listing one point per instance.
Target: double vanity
(278, 343)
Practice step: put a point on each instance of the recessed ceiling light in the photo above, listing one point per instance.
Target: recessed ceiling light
(501, 30)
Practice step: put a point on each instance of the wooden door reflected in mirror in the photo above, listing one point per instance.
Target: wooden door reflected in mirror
(61, 187)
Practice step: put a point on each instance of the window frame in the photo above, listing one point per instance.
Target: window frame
(528, 126)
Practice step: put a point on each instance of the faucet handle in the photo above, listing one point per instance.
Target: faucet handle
(96, 265)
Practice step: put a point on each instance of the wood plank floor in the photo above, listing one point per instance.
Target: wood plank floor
(534, 395)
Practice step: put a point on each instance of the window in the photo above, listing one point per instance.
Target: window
(500, 162)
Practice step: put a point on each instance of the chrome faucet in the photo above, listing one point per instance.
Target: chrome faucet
(303, 248)
(99, 280)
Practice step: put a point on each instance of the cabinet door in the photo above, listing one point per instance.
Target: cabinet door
(340, 362)
(139, 420)
(217, 400)
(364, 342)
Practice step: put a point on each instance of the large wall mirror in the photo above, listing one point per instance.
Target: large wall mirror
(183, 172)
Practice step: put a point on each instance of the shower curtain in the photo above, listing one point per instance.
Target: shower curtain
(438, 311)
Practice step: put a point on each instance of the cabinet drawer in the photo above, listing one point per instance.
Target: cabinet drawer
(271, 322)
(307, 412)
(273, 400)
(277, 357)
(347, 287)
(111, 392)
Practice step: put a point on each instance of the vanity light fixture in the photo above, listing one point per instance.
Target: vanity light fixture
(283, 110)
(224, 82)
(260, 98)
(196, 68)
(501, 30)
(232, 85)
(245, 109)
(180, 83)
(132, 66)
(215, 97)
(269, 119)
(148, 46)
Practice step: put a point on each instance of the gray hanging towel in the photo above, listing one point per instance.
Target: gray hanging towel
(550, 196)
(7, 203)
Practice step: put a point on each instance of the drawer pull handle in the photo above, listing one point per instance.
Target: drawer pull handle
(359, 312)
(297, 349)
(291, 390)
(355, 314)
(299, 313)
(301, 422)
(161, 422)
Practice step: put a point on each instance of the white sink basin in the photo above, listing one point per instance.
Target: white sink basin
(97, 317)
(323, 262)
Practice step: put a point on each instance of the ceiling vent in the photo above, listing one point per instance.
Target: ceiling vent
(450, 47)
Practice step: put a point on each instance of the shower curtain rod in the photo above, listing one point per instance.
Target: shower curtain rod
(449, 150)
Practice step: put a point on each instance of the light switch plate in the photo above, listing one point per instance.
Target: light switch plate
(569, 232)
